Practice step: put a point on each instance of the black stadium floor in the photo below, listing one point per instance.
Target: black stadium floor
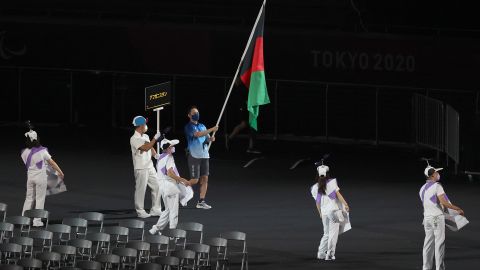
(267, 200)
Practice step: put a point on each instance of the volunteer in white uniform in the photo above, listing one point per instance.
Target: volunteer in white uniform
(145, 174)
(433, 198)
(169, 180)
(327, 198)
(36, 157)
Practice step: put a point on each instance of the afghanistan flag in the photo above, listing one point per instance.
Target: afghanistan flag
(252, 72)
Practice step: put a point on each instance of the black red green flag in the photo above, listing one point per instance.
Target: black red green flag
(252, 72)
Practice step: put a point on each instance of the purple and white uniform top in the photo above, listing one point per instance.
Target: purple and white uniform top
(429, 196)
(169, 186)
(35, 160)
(327, 201)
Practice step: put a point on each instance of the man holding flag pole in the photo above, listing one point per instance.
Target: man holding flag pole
(252, 73)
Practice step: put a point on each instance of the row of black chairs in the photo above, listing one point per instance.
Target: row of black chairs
(73, 235)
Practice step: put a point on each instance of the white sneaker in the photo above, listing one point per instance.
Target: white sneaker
(155, 213)
(203, 205)
(37, 223)
(153, 230)
(143, 215)
(329, 257)
(321, 255)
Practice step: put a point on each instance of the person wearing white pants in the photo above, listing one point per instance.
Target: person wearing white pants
(142, 152)
(327, 195)
(36, 157)
(433, 198)
(169, 181)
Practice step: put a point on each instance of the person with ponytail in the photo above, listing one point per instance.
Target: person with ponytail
(36, 158)
(333, 210)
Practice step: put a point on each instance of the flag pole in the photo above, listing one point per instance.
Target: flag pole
(238, 69)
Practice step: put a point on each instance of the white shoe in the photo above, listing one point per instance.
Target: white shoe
(203, 205)
(143, 215)
(321, 255)
(153, 230)
(37, 223)
(155, 213)
(329, 257)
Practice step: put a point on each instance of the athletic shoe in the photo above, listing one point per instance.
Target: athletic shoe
(321, 255)
(203, 205)
(329, 257)
(37, 223)
(155, 213)
(153, 230)
(253, 151)
(143, 215)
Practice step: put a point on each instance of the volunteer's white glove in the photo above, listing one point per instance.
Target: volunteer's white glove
(157, 156)
(157, 136)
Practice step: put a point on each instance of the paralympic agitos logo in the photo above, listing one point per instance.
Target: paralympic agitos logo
(6, 52)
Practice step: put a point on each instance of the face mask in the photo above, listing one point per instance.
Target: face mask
(146, 128)
(172, 150)
(196, 117)
(438, 177)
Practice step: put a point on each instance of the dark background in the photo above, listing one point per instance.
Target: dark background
(341, 76)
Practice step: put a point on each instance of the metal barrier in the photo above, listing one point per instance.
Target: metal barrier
(299, 110)
(437, 126)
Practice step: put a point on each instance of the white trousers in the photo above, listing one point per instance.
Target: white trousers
(434, 243)
(170, 214)
(36, 192)
(143, 178)
(329, 240)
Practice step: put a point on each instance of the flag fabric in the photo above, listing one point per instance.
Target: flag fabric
(252, 73)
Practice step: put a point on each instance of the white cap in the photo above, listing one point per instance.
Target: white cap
(32, 135)
(322, 170)
(167, 143)
(428, 168)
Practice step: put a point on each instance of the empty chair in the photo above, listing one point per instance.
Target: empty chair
(68, 254)
(179, 237)
(158, 244)
(168, 262)
(26, 243)
(84, 248)
(191, 228)
(108, 261)
(118, 235)
(237, 245)
(187, 258)
(23, 223)
(100, 242)
(128, 257)
(202, 254)
(134, 224)
(38, 216)
(10, 252)
(79, 226)
(10, 267)
(218, 251)
(61, 233)
(3, 211)
(6, 231)
(89, 265)
(149, 266)
(30, 263)
(50, 259)
(93, 217)
(42, 240)
(143, 249)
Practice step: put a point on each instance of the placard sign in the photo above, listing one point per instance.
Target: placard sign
(157, 95)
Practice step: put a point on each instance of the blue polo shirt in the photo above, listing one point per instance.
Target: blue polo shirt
(196, 146)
